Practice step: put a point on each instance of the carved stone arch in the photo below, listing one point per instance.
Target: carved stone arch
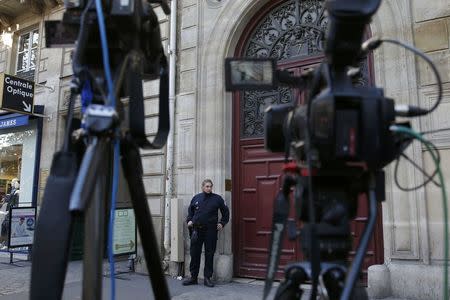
(214, 109)
(214, 103)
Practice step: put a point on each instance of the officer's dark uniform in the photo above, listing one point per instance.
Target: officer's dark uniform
(203, 212)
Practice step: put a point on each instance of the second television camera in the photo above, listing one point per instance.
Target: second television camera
(340, 139)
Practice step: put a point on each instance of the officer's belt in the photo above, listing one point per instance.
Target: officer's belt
(200, 226)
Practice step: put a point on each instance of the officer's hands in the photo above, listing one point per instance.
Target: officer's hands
(190, 224)
(219, 226)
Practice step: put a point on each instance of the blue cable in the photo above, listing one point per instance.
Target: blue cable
(86, 99)
(112, 102)
(112, 213)
(105, 54)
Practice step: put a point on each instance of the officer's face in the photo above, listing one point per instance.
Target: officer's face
(207, 188)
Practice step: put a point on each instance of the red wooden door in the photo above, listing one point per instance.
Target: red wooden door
(290, 31)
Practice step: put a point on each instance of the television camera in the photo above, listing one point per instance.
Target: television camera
(339, 140)
(85, 172)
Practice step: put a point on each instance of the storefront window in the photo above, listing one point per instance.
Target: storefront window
(17, 160)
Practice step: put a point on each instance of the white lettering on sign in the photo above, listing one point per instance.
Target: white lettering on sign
(20, 92)
(18, 83)
(8, 123)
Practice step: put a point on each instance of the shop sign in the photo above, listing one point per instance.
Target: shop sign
(21, 226)
(13, 122)
(16, 94)
(124, 240)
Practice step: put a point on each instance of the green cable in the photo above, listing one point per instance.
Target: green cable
(428, 144)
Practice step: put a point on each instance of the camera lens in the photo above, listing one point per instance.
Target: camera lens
(275, 118)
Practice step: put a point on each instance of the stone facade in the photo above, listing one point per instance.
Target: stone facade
(413, 222)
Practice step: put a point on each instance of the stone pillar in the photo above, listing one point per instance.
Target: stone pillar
(380, 282)
(413, 239)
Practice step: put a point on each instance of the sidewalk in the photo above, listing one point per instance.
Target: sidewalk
(14, 285)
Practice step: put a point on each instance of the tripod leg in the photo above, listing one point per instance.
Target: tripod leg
(88, 198)
(132, 167)
(352, 276)
(94, 241)
(290, 289)
(90, 166)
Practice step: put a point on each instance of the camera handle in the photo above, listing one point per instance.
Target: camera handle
(136, 106)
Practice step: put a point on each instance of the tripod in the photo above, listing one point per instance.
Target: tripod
(75, 188)
(327, 243)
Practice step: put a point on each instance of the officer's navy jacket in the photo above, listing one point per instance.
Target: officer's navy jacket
(204, 207)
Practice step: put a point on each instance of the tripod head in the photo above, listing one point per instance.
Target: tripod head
(130, 26)
(135, 54)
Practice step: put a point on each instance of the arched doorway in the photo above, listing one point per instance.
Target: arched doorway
(293, 32)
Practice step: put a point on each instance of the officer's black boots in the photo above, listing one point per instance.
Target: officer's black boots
(190, 281)
(208, 282)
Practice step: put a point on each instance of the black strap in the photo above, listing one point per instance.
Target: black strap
(136, 112)
(53, 230)
(132, 168)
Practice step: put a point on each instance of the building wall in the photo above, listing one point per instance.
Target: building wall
(47, 73)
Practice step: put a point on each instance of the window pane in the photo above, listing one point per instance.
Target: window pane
(33, 59)
(24, 42)
(21, 62)
(35, 39)
(28, 75)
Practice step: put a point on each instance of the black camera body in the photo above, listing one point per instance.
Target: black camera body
(353, 126)
(346, 125)
(130, 25)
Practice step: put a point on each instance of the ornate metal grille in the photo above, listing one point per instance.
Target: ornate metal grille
(292, 31)
(295, 29)
(255, 102)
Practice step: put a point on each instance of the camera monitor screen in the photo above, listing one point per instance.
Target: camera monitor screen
(249, 74)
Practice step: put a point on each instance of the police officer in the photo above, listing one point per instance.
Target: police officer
(202, 221)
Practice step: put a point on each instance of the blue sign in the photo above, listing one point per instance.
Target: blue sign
(13, 122)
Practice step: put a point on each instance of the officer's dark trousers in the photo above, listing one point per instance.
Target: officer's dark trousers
(208, 236)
